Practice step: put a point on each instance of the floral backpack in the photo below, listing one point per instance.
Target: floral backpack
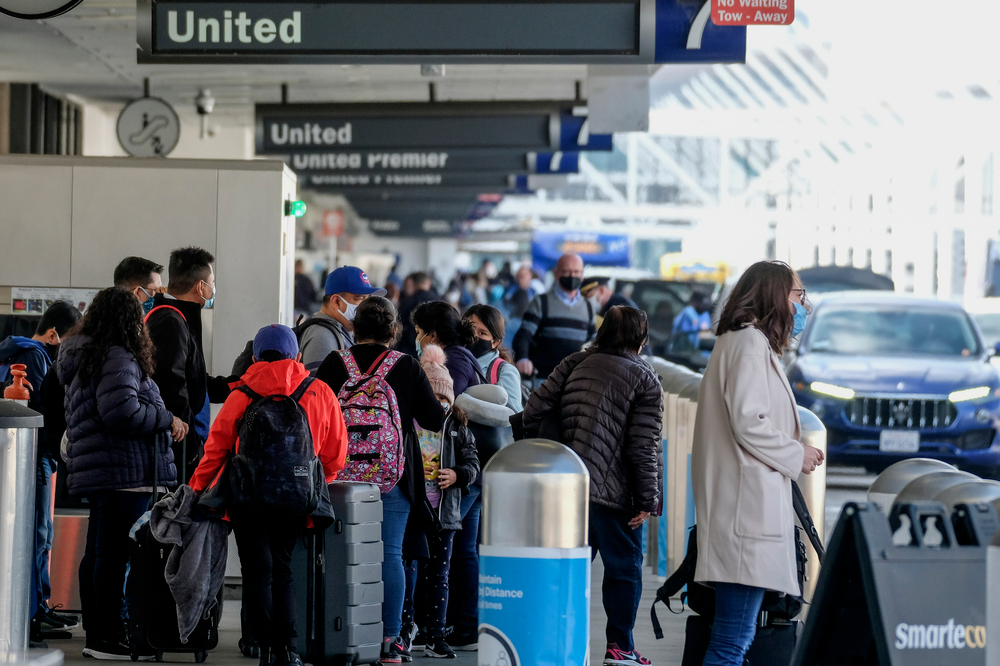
(375, 451)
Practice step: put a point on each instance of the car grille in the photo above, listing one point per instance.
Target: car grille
(883, 412)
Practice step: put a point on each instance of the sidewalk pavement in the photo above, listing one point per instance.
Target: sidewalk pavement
(666, 652)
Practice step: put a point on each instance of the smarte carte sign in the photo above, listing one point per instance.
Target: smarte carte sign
(753, 12)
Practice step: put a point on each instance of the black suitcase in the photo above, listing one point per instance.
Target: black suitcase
(152, 612)
(772, 645)
(338, 580)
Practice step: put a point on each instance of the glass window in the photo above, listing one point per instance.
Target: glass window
(892, 330)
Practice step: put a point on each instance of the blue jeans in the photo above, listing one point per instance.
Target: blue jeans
(621, 552)
(102, 569)
(395, 511)
(736, 609)
(463, 603)
(43, 536)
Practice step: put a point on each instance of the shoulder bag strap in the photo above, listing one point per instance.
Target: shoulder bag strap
(802, 511)
(353, 371)
(545, 306)
(495, 370)
(301, 390)
(164, 307)
(384, 364)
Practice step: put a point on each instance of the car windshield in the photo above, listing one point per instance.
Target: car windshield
(882, 330)
(989, 324)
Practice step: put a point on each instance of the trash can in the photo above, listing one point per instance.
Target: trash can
(18, 443)
(894, 478)
(534, 559)
(927, 486)
(814, 490)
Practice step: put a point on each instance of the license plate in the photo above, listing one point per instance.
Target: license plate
(899, 441)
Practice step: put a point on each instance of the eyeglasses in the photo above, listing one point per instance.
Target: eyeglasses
(802, 296)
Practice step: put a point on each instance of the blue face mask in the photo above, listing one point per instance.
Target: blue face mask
(148, 304)
(419, 350)
(799, 322)
(211, 301)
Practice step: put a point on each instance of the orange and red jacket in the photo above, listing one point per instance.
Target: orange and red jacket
(279, 377)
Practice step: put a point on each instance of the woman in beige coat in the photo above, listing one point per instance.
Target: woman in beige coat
(746, 454)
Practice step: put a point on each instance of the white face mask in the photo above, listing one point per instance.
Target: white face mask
(350, 312)
(445, 405)
(595, 302)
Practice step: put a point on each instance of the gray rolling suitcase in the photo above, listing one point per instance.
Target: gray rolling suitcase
(340, 620)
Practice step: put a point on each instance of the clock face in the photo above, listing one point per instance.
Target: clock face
(36, 9)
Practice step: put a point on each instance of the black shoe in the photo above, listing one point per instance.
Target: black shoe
(249, 649)
(409, 633)
(439, 649)
(464, 642)
(265, 656)
(286, 657)
(53, 621)
(392, 651)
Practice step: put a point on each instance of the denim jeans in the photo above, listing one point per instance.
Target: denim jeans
(736, 609)
(395, 511)
(463, 603)
(43, 535)
(621, 552)
(102, 569)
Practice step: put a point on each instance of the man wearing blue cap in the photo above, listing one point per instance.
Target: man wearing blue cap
(332, 328)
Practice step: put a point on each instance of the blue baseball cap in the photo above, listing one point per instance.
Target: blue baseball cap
(275, 338)
(350, 280)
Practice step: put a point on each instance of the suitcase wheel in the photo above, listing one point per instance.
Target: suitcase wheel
(200, 657)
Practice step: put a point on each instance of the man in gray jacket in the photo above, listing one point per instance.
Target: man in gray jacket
(332, 328)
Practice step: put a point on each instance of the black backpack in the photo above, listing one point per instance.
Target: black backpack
(276, 469)
(701, 597)
(323, 323)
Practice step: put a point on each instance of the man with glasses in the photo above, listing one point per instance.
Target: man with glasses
(141, 277)
(174, 324)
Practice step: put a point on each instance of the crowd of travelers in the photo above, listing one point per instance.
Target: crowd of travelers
(127, 400)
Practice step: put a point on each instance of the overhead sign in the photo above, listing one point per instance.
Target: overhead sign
(596, 249)
(418, 195)
(148, 127)
(36, 9)
(346, 182)
(421, 128)
(753, 12)
(558, 162)
(407, 161)
(390, 227)
(373, 209)
(430, 31)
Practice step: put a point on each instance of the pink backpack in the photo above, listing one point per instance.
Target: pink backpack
(375, 451)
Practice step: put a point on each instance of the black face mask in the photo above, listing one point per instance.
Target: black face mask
(481, 347)
(570, 283)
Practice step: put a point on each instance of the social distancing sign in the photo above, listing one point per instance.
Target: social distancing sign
(753, 12)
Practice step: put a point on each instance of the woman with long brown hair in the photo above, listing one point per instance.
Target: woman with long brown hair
(746, 455)
(113, 416)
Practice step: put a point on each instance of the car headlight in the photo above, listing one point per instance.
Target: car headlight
(833, 391)
(970, 394)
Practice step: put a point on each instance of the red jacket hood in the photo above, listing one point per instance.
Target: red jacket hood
(277, 377)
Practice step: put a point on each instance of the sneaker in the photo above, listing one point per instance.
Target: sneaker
(108, 651)
(464, 642)
(419, 638)
(287, 657)
(392, 651)
(439, 649)
(409, 633)
(615, 656)
(53, 621)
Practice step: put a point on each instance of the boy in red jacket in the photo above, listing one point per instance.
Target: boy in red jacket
(266, 542)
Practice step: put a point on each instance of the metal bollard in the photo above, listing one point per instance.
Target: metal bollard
(18, 443)
(895, 477)
(814, 490)
(534, 560)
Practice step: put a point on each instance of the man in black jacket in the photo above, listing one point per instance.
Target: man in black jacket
(175, 327)
(425, 294)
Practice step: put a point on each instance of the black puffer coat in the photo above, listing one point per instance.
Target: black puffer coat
(111, 423)
(611, 410)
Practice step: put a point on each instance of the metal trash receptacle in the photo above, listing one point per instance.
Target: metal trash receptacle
(18, 445)
(813, 433)
(534, 560)
(895, 477)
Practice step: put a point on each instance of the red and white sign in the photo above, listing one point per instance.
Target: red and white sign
(333, 224)
(753, 12)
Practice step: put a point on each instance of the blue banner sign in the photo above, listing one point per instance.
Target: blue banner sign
(595, 248)
(558, 162)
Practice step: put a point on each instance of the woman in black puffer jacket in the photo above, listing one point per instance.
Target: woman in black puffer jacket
(610, 406)
(114, 418)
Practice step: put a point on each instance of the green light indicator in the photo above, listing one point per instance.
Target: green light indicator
(295, 208)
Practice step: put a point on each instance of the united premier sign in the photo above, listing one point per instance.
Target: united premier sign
(431, 31)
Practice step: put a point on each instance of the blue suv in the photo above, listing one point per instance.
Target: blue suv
(894, 377)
